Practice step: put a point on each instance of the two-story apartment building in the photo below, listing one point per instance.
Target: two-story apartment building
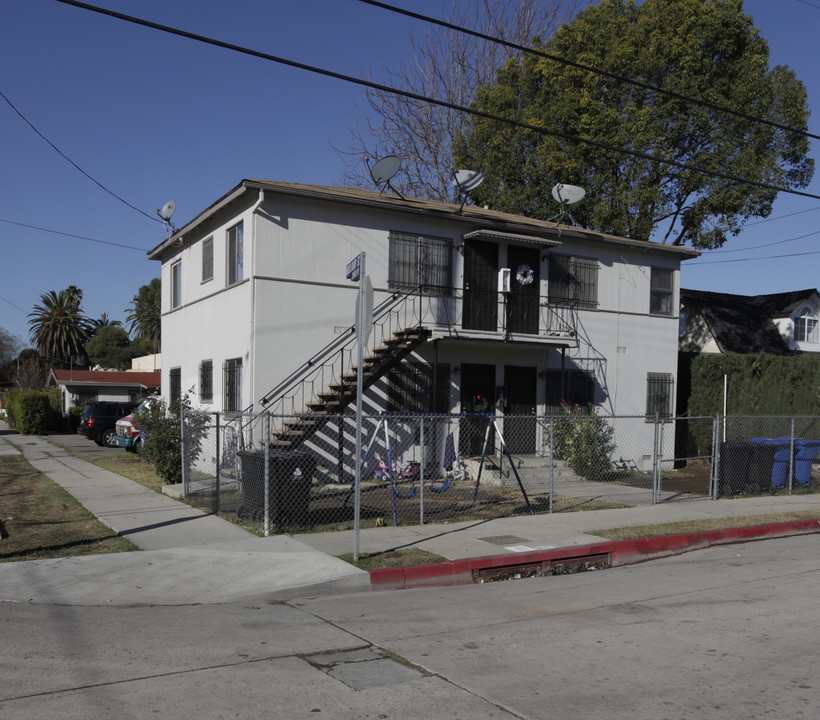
(474, 308)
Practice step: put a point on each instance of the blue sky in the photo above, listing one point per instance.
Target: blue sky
(154, 117)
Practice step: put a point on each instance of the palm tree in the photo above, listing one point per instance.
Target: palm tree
(145, 316)
(58, 327)
(101, 322)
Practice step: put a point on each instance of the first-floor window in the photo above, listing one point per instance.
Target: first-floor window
(174, 385)
(206, 381)
(410, 388)
(659, 395)
(232, 371)
(575, 387)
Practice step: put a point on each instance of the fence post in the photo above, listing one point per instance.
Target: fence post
(183, 458)
(219, 463)
(791, 457)
(266, 511)
(422, 467)
(655, 463)
(715, 457)
(552, 460)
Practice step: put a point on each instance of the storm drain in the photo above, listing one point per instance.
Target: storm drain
(557, 566)
(364, 668)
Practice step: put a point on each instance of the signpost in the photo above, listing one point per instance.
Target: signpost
(355, 272)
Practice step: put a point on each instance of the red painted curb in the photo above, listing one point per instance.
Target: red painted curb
(619, 552)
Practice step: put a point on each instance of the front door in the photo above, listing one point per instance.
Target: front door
(519, 409)
(477, 397)
(522, 308)
(480, 285)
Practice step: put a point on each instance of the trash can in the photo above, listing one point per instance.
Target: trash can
(761, 467)
(805, 453)
(781, 464)
(733, 473)
(289, 482)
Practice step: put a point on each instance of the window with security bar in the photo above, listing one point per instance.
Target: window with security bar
(232, 372)
(574, 387)
(659, 395)
(410, 388)
(419, 262)
(175, 385)
(573, 281)
(206, 381)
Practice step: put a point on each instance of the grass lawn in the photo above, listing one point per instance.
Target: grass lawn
(41, 520)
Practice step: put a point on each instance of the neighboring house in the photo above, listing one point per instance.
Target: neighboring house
(475, 308)
(78, 387)
(778, 324)
(147, 363)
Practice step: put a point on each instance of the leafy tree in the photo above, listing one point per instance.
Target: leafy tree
(9, 347)
(58, 326)
(448, 65)
(31, 370)
(111, 348)
(703, 49)
(145, 316)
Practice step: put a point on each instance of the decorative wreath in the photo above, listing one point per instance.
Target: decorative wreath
(525, 275)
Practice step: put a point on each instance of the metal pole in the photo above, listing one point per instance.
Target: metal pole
(359, 380)
(552, 460)
(791, 457)
(218, 468)
(421, 476)
(182, 451)
(266, 480)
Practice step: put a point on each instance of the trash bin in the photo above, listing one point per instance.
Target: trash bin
(805, 452)
(781, 464)
(289, 482)
(761, 467)
(735, 462)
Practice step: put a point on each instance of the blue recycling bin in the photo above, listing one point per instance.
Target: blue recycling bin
(805, 453)
(782, 460)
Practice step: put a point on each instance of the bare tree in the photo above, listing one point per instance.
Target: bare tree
(447, 65)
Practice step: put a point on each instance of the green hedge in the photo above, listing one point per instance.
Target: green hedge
(29, 411)
(757, 384)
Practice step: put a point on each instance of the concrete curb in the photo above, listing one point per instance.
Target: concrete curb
(575, 558)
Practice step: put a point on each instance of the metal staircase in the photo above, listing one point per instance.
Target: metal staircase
(326, 384)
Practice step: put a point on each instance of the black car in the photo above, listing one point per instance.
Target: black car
(100, 418)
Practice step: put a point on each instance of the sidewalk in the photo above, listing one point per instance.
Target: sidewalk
(192, 557)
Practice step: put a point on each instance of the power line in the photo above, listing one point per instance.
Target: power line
(80, 237)
(434, 101)
(771, 244)
(588, 68)
(64, 156)
(12, 304)
(781, 217)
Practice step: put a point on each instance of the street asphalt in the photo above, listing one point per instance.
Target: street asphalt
(191, 557)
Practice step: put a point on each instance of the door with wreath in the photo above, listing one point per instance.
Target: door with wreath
(523, 303)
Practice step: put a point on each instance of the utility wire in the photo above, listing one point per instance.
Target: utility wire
(588, 68)
(434, 101)
(63, 155)
(80, 237)
(767, 257)
(765, 245)
(12, 304)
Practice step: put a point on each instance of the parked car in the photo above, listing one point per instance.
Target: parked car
(100, 418)
(129, 436)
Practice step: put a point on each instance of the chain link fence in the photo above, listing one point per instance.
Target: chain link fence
(297, 473)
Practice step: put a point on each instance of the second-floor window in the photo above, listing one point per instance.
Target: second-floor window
(422, 262)
(573, 281)
(235, 254)
(176, 284)
(208, 259)
(660, 294)
(805, 327)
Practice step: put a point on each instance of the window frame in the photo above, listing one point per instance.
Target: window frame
(806, 327)
(208, 259)
(656, 383)
(174, 383)
(232, 385)
(660, 295)
(176, 284)
(572, 281)
(235, 249)
(206, 381)
(405, 273)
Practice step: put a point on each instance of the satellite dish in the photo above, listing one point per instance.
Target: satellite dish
(167, 210)
(466, 180)
(568, 194)
(385, 169)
